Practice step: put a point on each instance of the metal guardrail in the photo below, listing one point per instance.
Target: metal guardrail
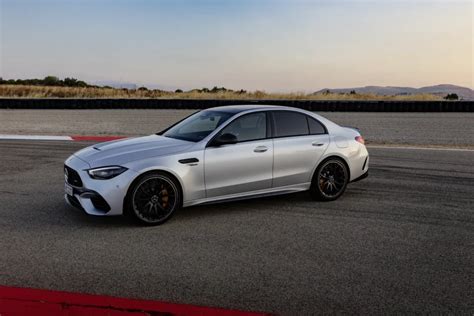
(312, 105)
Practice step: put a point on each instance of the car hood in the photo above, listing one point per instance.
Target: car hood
(120, 152)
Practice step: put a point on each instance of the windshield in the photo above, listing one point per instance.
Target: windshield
(198, 126)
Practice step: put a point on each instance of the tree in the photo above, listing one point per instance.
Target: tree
(451, 97)
(143, 89)
(51, 81)
(178, 91)
(73, 82)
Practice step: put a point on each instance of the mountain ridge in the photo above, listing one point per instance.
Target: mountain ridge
(440, 90)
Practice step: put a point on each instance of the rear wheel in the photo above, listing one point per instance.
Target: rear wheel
(330, 180)
(154, 198)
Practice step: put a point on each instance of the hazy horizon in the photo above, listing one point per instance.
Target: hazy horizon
(282, 45)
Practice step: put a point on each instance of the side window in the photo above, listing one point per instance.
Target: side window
(315, 127)
(290, 124)
(248, 127)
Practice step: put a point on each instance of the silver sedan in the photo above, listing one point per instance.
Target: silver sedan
(219, 154)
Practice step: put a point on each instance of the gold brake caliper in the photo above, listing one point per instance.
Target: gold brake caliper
(321, 183)
(164, 197)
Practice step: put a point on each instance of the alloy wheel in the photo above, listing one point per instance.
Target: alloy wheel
(332, 178)
(154, 199)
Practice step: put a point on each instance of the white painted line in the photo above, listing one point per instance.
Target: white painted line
(34, 137)
(420, 148)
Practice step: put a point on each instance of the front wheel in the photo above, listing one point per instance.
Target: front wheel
(154, 198)
(330, 180)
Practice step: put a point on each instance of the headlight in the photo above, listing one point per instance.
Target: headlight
(104, 173)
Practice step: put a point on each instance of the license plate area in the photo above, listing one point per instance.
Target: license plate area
(68, 189)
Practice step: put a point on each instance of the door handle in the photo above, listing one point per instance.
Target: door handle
(260, 149)
(189, 161)
(316, 144)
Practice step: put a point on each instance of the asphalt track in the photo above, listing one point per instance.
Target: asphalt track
(425, 129)
(402, 240)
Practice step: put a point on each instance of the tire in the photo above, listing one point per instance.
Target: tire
(153, 198)
(330, 180)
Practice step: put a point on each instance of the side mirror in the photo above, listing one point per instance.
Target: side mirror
(225, 139)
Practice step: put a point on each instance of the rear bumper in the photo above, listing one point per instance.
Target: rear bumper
(362, 177)
(358, 163)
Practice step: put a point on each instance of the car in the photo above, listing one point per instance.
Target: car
(215, 155)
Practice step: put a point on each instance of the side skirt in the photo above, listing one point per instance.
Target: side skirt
(251, 195)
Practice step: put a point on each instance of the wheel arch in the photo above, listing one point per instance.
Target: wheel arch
(332, 156)
(150, 171)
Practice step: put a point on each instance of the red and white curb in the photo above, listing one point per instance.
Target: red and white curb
(61, 138)
(26, 301)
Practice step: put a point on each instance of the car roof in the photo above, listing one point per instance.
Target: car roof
(243, 107)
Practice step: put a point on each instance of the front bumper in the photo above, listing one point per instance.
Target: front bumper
(97, 197)
(83, 196)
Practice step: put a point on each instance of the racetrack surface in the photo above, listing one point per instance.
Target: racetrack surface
(401, 240)
(425, 129)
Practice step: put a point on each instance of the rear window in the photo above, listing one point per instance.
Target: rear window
(290, 124)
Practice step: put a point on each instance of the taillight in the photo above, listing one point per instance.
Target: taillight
(360, 139)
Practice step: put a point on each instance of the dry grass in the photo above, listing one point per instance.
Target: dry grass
(19, 91)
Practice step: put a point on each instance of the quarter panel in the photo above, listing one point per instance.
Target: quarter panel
(354, 155)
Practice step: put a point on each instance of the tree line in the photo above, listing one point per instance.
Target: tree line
(48, 81)
(73, 82)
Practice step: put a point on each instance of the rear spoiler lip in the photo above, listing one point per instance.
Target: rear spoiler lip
(354, 128)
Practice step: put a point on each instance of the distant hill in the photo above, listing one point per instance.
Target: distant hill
(115, 84)
(130, 85)
(440, 90)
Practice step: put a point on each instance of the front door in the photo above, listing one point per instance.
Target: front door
(242, 167)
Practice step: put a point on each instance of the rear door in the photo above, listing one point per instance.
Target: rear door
(242, 167)
(298, 144)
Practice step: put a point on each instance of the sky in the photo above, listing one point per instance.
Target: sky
(271, 45)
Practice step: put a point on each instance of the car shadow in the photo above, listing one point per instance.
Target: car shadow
(68, 215)
(73, 216)
(242, 206)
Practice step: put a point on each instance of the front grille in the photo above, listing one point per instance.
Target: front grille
(72, 177)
